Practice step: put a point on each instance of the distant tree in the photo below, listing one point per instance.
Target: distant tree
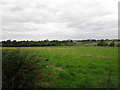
(46, 40)
(8, 40)
(102, 43)
(14, 41)
(93, 40)
(71, 40)
(88, 40)
(112, 44)
(118, 45)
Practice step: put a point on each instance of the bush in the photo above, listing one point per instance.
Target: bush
(102, 43)
(112, 44)
(19, 69)
(118, 45)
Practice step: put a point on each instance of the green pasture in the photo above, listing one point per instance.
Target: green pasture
(74, 66)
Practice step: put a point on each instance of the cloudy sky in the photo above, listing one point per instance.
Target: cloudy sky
(59, 19)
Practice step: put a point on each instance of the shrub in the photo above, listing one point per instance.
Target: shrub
(112, 44)
(19, 69)
(102, 43)
(118, 45)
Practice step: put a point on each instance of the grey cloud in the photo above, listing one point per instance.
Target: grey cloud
(62, 19)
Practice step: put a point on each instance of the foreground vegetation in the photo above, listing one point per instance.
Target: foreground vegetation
(20, 69)
(60, 67)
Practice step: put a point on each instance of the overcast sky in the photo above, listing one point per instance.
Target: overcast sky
(59, 19)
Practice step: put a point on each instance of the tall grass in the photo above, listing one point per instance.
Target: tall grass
(20, 69)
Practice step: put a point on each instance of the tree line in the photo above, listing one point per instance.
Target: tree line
(15, 43)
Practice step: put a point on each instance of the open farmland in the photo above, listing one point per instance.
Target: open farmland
(71, 66)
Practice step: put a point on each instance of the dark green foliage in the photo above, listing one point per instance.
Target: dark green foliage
(112, 44)
(102, 43)
(15, 43)
(19, 69)
(118, 45)
(91, 42)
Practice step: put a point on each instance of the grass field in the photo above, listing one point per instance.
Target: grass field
(74, 66)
